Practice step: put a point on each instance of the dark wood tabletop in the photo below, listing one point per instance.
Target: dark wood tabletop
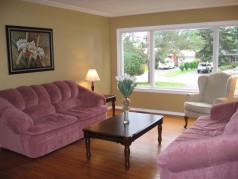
(113, 129)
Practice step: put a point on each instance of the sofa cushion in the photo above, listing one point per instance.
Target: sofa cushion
(54, 92)
(203, 108)
(85, 113)
(50, 123)
(14, 97)
(204, 127)
(232, 125)
(39, 111)
(224, 111)
(73, 87)
(4, 104)
(64, 89)
(67, 104)
(29, 96)
(43, 96)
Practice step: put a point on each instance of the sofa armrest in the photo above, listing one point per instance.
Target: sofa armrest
(223, 111)
(193, 97)
(4, 104)
(220, 100)
(90, 98)
(183, 156)
(16, 120)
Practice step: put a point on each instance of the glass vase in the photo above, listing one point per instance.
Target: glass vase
(126, 105)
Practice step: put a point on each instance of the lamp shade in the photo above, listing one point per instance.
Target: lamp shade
(92, 75)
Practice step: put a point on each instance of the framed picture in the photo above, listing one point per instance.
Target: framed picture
(29, 49)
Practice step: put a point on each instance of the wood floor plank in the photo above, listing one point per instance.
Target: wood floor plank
(107, 159)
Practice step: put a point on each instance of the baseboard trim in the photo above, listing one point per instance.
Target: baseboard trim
(155, 111)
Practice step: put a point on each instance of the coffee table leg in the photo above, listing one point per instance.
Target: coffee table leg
(160, 133)
(127, 157)
(113, 107)
(87, 143)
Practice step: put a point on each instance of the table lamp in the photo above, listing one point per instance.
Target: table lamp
(92, 76)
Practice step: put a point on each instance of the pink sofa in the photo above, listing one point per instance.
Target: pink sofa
(36, 120)
(208, 149)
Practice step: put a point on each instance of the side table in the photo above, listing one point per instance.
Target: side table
(111, 98)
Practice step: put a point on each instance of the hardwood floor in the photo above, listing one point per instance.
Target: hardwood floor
(107, 159)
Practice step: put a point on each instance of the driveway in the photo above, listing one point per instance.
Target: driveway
(190, 78)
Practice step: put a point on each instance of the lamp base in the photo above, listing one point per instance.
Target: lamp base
(92, 86)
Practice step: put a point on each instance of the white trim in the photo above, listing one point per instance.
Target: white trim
(166, 90)
(170, 91)
(155, 111)
(119, 55)
(199, 25)
(215, 49)
(152, 58)
(70, 7)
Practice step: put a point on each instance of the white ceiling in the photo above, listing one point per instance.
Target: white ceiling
(114, 8)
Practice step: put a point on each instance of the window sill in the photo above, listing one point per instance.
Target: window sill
(169, 90)
(165, 90)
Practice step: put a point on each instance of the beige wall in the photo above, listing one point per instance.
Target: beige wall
(161, 101)
(81, 41)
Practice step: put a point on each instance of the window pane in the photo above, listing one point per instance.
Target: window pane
(136, 52)
(228, 50)
(177, 55)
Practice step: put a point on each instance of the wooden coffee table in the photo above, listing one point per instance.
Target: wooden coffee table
(113, 129)
(111, 98)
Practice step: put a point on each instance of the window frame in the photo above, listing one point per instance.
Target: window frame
(212, 25)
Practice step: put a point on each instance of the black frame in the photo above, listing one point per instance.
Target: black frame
(29, 49)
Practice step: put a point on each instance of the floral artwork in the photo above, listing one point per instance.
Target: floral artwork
(29, 49)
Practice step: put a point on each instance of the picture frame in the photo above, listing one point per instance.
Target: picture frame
(29, 49)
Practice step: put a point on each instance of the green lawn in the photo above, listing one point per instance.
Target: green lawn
(162, 84)
(178, 72)
(169, 84)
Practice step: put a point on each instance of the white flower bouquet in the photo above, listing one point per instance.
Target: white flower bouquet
(126, 84)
